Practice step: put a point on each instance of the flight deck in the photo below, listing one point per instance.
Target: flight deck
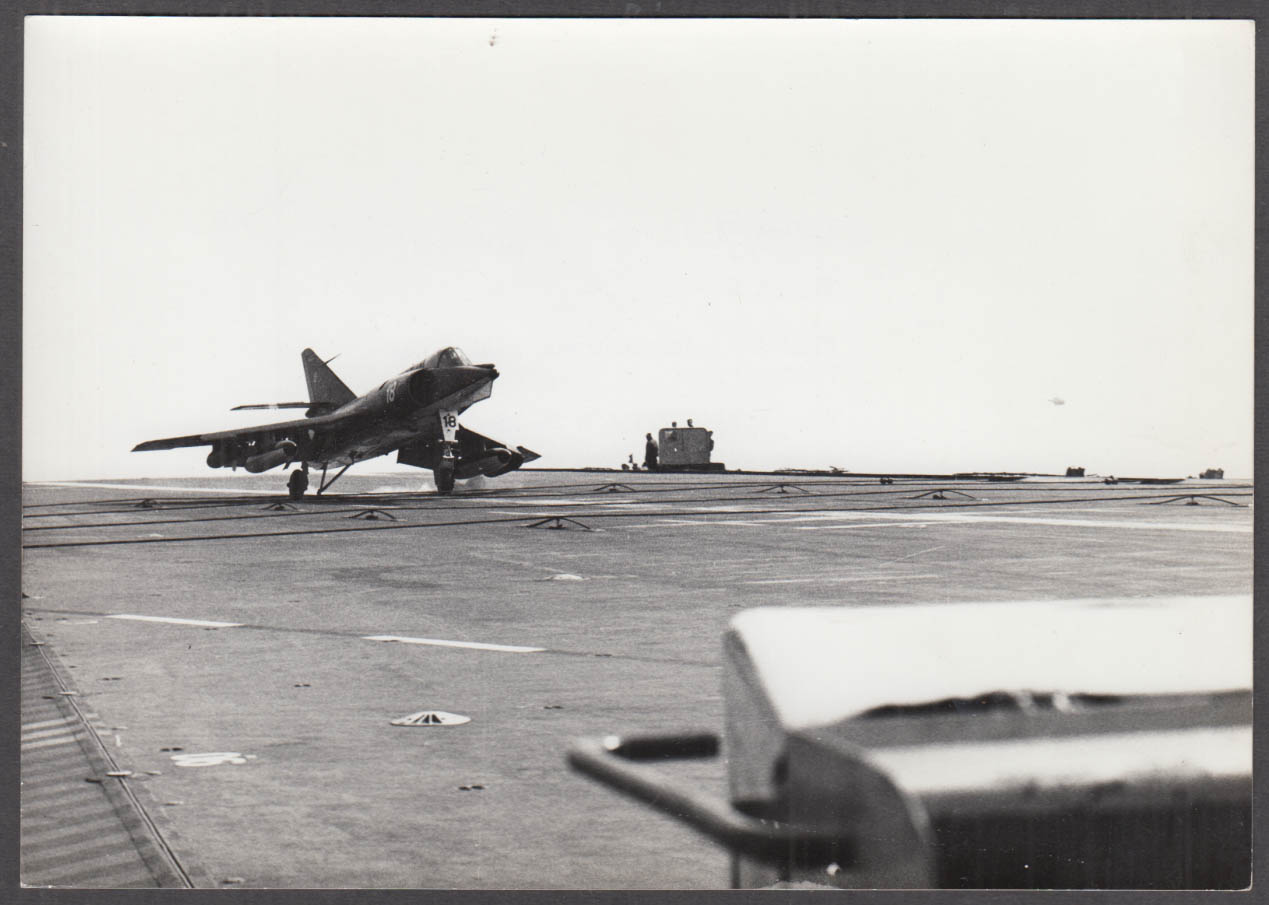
(377, 688)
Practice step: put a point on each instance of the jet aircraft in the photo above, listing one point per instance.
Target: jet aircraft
(414, 414)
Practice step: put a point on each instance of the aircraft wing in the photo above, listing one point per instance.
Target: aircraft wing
(283, 428)
(172, 443)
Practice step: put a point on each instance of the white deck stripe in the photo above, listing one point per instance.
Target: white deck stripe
(236, 491)
(63, 864)
(743, 523)
(58, 797)
(839, 580)
(860, 525)
(925, 517)
(175, 621)
(48, 743)
(27, 727)
(125, 876)
(48, 733)
(1088, 523)
(566, 501)
(33, 838)
(473, 645)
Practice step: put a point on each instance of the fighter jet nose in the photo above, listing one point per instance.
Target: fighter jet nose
(477, 373)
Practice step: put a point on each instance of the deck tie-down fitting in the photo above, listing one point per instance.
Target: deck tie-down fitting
(373, 515)
(1192, 499)
(783, 488)
(614, 488)
(279, 507)
(941, 494)
(558, 523)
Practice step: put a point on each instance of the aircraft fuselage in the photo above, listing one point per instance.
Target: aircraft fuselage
(401, 410)
(414, 413)
(397, 413)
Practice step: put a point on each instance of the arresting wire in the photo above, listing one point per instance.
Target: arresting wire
(521, 518)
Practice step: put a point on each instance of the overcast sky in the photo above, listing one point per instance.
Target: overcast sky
(879, 245)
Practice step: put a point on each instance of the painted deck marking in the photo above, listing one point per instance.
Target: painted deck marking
(1088, 523)
(473, 645)
(927, 517)
(48, 743)
(838, 580)
(860, 525)
(235, 491)
(211, 759)
(44, 724)
(561, 502)
(206, 623)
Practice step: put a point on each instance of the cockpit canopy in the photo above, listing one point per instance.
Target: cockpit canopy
(449, 357)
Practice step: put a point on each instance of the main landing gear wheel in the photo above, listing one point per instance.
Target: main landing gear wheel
(444, 479)
(297, 484)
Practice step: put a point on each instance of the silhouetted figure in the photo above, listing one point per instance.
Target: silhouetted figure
(297, 484)
(650, 454)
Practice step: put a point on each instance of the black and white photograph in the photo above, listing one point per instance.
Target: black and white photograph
(789, 453)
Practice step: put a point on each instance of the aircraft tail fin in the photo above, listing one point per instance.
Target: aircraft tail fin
(323, 385)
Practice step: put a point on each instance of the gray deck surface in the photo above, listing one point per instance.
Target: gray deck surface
(627, 616)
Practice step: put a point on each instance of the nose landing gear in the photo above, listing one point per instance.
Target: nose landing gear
(444, 471)
(444, 474)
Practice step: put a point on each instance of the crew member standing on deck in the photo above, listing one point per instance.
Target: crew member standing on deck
(650, 454)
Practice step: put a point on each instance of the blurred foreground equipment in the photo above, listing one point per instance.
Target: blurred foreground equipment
(1067, 744)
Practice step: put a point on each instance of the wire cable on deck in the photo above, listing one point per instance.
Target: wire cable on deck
(590, 514)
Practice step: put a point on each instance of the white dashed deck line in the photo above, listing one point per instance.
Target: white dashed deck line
(741, 523)
(205, 623)
(1085, 523)
(472, 645)
(843, 579)
(403, 639)
(968, 518)
(234, 491)
(858, 525)
(483, 501)
(927, 519)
